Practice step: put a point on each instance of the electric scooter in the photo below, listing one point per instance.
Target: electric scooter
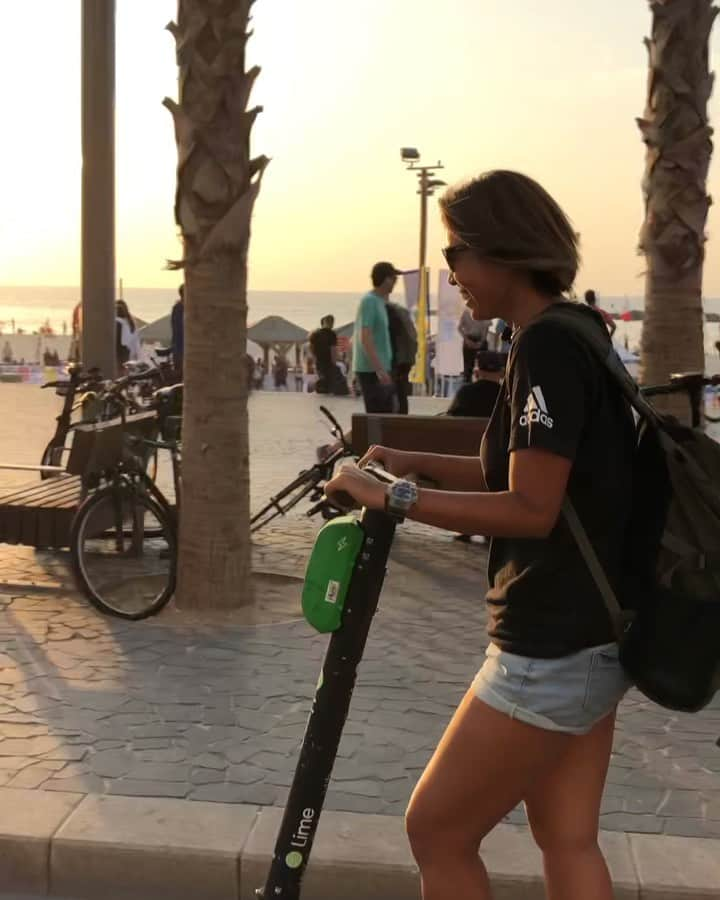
(343, 582)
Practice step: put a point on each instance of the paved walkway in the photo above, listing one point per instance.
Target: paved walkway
(209, 709)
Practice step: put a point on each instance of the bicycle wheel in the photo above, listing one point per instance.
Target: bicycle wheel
(123, 548)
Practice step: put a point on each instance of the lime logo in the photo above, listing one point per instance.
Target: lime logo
(294, 860)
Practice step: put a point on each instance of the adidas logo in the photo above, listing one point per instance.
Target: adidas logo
(536, 409)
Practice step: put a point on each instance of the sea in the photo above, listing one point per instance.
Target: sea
(30, 308)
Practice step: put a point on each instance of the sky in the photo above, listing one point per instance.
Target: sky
(550, 89)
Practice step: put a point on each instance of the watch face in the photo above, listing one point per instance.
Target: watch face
(404, 491)
(403, 494)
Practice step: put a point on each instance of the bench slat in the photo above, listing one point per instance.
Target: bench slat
(35, 488)
(38, 495)
(69, 500)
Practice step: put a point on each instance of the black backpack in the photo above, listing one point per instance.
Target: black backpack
(667, 613)
(403, 337)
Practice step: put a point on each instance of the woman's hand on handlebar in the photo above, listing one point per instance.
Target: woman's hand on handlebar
(398, 462)
(352, 484)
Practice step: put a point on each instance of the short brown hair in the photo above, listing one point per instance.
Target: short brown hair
(512, 221)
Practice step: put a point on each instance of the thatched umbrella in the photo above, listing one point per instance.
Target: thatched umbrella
(277, 334)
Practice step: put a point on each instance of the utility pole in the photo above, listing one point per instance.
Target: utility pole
(427, 188)
(411, 156)
(98, 185)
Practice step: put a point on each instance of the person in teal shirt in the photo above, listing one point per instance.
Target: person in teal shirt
(372, 350)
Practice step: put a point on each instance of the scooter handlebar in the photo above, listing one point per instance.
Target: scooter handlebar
(343, 500)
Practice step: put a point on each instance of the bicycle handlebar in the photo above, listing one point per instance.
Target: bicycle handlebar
(120, 383)
(336, 427)
(77, 385)
(686, 381)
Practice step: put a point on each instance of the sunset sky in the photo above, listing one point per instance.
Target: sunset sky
(550, 89)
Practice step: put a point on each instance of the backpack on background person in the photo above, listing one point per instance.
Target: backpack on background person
(403, 336)
(667, 618)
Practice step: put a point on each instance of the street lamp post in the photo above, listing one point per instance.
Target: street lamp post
(98, 185)
(427, 188)
(411, 156)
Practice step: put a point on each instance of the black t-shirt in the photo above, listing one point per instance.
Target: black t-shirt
(542, 600)
(321, 343)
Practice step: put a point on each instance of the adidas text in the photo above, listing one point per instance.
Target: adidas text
(536, 415)
(536, 409)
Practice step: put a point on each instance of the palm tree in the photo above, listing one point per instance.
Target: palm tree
(676, 132)
(217, 184)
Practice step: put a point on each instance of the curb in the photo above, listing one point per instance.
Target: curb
(87, 847)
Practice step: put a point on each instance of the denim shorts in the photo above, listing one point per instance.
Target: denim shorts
(570, 693)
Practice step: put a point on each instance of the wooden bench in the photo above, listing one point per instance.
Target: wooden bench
(40, 513)
(454, 435)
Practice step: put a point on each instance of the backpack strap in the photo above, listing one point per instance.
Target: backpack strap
(618, 616)
(567, 315)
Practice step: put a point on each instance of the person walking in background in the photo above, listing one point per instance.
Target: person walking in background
(474, 337)
(259, 374)
(372, 350)
(177, 327)
(323, 345)
(74, 353)
(280, 373)
(591, 300)
(127, 340)
(404, 342)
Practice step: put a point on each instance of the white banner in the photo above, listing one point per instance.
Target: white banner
(448, 343)
(411, 281)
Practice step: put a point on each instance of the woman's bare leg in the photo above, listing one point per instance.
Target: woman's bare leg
(564, 809)
(483, 767)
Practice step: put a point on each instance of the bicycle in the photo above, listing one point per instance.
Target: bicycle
(76, 384)
(694, 384)
(123, 541)
(159, 372)
(99, 401)
(309, 482)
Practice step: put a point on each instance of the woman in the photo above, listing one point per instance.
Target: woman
(127, 338)
(537, 723)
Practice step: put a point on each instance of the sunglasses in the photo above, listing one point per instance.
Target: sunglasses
(452, 252)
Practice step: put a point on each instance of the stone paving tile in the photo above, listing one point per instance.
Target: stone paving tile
(216, 712)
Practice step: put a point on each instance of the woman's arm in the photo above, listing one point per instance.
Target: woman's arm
(451, 473)
(529, 508)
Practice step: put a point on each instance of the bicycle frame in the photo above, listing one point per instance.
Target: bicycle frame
(307, 481)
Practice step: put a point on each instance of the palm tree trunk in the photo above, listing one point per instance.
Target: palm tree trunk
(217, 186)
(676, 132)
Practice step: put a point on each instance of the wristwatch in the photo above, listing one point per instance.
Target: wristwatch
(400, 496)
